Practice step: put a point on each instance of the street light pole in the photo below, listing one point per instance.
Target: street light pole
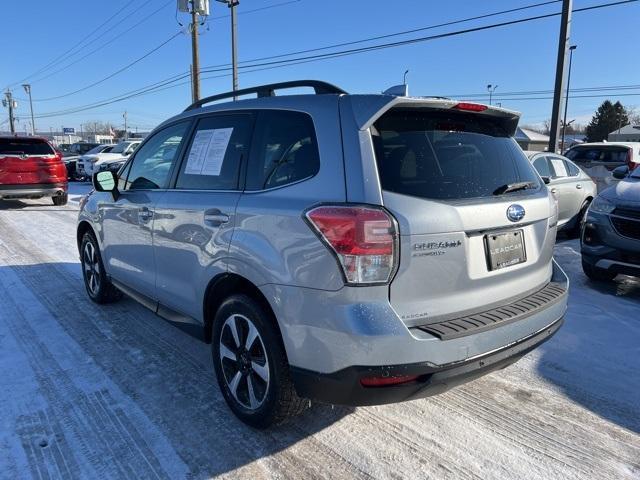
(27, 89)
(232, 4)
(491, 89)
(566, 97)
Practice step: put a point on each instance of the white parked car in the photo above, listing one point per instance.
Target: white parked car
(572, 187)
(89, 164)
(601, 158)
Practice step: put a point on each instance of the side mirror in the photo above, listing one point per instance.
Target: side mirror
(621, 172)
(105, 181)
(546, 180)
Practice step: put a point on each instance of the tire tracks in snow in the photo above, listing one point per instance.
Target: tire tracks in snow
(136, 354)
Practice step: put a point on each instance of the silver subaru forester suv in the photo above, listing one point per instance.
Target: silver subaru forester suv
(350, 249)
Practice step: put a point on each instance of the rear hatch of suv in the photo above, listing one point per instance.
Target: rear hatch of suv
(29, 161)
(477, 225)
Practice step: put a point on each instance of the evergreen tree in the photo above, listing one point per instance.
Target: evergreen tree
(608, 117)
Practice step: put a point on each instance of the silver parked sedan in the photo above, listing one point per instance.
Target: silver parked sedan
(573, 188)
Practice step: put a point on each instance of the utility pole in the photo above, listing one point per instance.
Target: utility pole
(126, 132)
(491, 89)
(195, 57)
(566, 98)
(10, 103)
(27, 89)
(232, 4)
(563, 42)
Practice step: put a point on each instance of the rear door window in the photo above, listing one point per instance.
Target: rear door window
(448, 155)
(285, 150)
(605, 154)
(573, 170)
(15, 146)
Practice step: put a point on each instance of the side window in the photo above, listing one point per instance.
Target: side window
(151, 166)
(559, 170)
(284, 151)
(542, 166)
(572, 169)
(213, 159)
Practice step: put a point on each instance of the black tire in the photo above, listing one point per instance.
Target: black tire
(60, 200)
(98, 286)
(576, 231)
(274, 399)
(597, 274)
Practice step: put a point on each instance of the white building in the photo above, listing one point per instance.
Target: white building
(628, 133)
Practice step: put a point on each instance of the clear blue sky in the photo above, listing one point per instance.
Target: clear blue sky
(517, 58)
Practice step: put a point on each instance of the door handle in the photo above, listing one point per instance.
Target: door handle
(215, 217)
(554, 190)
(578, 186)
(144, 215)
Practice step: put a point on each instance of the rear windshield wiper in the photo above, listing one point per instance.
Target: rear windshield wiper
(513, 187)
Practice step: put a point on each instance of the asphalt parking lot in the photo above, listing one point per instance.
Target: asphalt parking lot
(116, 392)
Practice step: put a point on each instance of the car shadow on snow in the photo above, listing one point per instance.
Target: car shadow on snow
(595, 357)
(153, 368)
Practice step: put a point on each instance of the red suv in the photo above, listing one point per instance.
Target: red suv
(31, 168)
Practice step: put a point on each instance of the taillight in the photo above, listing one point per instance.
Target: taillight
(470, 107)
(363, 238)
(630, 163)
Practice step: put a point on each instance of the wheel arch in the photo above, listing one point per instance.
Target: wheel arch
(83, 227)
(224, 285)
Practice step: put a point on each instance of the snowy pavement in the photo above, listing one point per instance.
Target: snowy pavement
(116, 392)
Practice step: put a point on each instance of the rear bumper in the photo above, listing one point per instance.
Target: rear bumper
(32, 190)
(333, 339)
(344, 387)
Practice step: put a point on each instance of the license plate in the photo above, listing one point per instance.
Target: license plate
(505, 249)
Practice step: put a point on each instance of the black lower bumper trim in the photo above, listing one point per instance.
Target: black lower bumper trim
(344, 388)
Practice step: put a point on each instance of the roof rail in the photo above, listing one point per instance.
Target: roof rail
(269, 91)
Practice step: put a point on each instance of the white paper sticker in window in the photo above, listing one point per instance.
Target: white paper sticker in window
(207, 151)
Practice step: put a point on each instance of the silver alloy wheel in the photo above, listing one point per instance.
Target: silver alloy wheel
(91, 266)
(244, 361)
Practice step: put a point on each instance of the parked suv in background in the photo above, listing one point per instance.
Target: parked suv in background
(352, 249)
(611, 233)
(600, 159)
(90, 164)
(31, 168)
(572, 187)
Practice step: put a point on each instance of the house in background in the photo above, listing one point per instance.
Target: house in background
(530, 140)
(628, 133)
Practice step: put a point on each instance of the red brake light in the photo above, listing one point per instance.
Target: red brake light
(363, 238)
(630, 163)
(386, 381)
(470, 107)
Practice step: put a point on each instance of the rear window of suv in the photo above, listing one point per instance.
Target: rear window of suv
(612, 154)
(445, 155)
(11, 146)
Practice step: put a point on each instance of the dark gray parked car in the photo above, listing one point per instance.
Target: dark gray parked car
(611, 232)
(351, 249)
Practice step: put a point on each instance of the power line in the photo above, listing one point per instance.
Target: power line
(395, 34)
(411, 41)
(268, 7)
(129, 65)
(541, 92)
(52, 62)
(311, 58)
(108, 42)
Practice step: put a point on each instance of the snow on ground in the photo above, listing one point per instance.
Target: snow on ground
(116, 392)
